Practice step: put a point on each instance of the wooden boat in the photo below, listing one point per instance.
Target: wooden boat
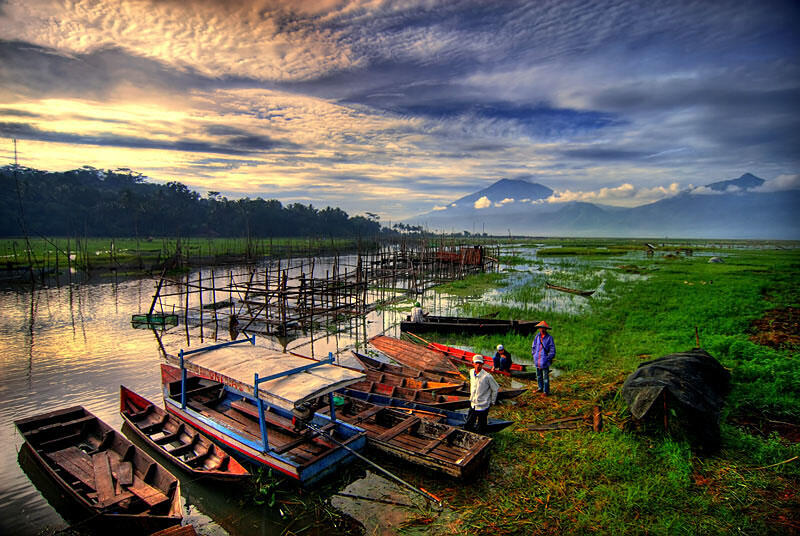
(394, 380)
(374, 367)
(585, 293)
(414, 395)
(177, 441)
(415, 356)
(373, 364)
(469, 326)
(439, 384)
(247, 398)
(415, 439)
(453, 418)
(158, 320)
(115, 484)
(465, 357)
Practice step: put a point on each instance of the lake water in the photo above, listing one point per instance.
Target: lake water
(74, 345)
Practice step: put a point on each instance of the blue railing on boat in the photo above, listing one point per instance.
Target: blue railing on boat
(256, 381)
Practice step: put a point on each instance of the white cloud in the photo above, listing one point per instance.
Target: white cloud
(780, 184)
(439, 207)
(705, 190)
(454, 205)
(625, 194)
(483, 202)
(506, 201)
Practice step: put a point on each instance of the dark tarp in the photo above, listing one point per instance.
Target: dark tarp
(695, 383)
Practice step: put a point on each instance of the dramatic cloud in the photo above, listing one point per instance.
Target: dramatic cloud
(394, 107)
(623, 195)
(781, 183)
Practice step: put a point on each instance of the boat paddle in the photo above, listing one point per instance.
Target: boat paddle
(428, 495)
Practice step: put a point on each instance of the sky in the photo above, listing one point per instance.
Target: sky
(400, 107)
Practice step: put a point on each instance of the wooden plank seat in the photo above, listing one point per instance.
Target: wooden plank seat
(183, 448)
(52, 428)
(438, 441)
(141, 414)
(306, 435)
(366, 414)
(197, 459)
(397, 429)
(155, 426)
(75, 462)
(170, 437)
(150, 495)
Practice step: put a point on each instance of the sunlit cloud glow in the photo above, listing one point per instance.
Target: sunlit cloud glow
(396, 107)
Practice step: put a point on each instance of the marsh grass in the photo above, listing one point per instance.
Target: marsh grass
(622, 481)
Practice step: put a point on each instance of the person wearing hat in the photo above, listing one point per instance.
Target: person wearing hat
(417, 314)
(543, 351)
(502, 359)
(482, 395)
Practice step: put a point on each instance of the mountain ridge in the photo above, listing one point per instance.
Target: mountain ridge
(733, 208)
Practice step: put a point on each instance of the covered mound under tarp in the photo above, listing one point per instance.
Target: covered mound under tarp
(693, 383)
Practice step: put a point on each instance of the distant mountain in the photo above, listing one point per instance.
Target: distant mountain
(507, 189)
(723, 209)
(745, 182)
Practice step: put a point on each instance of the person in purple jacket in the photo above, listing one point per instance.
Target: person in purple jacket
(543, 351)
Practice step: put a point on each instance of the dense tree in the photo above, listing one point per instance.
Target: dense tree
(94, 202)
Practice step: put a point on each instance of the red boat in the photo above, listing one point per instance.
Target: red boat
(465, 357)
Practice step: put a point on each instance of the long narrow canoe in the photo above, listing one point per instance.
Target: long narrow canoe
(154, 320)
(585, 293)
(373, 364)
(415, 356)
(469, 326)
(437, 384)
(118, 488)
(415, 439)
(465, 357)
(413, 395)
(453, 418)
(180, 443)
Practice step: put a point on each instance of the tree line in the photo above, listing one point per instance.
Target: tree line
(122, 203)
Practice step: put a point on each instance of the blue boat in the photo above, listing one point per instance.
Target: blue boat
(452, 418)
(252, 402)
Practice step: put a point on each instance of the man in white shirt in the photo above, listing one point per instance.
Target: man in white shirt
(482, 395)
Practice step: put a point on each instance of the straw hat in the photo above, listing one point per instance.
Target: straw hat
(542, 324)
(477, 359)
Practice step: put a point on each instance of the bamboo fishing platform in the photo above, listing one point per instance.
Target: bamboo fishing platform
(283, 296)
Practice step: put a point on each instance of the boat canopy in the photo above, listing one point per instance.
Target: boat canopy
(283, 380)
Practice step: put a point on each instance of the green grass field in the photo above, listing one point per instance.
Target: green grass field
(132, 254)
(623, 481)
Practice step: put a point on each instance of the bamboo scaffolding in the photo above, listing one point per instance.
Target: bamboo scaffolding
(286, 295)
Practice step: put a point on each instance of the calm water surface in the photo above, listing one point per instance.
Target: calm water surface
(75, 346)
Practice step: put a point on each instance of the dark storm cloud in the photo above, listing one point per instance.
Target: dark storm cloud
(42, 72)
(26, 131)
(9, 112)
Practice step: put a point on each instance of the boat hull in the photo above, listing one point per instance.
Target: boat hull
(105, 502)
(469, 326)
(452, 418)
(189, 443)
(226, 434)
(433, 445)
